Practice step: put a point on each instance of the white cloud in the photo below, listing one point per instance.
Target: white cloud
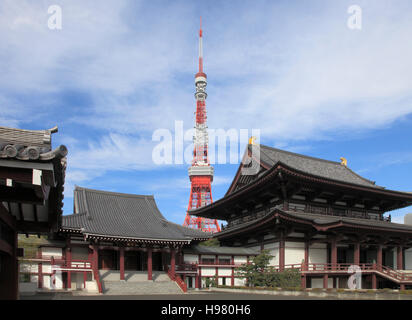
(294, 76)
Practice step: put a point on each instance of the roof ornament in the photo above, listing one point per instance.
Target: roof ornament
(252, 140)
(344, 161)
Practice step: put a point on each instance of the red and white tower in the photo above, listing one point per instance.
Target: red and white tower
(200, 173)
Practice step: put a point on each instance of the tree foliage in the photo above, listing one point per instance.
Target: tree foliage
(212, 242)
(258, 273)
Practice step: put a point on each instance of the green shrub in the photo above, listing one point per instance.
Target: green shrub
(259, 274)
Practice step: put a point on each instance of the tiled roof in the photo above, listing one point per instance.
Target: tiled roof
(29, 144)
(320, 220)
(120, 215)
(222, 250)
(314, 166)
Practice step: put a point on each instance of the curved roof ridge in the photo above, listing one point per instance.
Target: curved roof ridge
(359, 176)
(128, 195)
(319, 160)
(300, 155)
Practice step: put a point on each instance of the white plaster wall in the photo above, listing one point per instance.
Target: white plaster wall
(46, 268)
(408, 259)
(207, 272)
(239, 282)
(191, 258)
(51, 251)
(274, 252)
(27, 267)
(240, 259)
(225, 271)
(77, 280)
(46, 281)
(294, 252)
(91, 286)
(58, 280)
(317, 283)
(297, 235)
(318, 253)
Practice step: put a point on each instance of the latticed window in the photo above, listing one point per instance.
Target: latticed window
(208, 260)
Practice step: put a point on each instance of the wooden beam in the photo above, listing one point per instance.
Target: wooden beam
(32, 227)
(312, 196)
(7, 217)
(19, 194)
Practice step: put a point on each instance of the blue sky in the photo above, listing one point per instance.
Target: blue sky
(119, 70)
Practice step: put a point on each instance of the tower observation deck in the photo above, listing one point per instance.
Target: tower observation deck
(200, 172)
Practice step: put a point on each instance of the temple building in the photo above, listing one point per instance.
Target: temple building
(31, 194)
(114, 234)
(311, 214)
(317, 216)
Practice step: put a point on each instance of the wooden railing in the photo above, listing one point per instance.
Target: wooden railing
(186, 267)
(176, 278)
(395, 275)
(97, 279)
(195, 266)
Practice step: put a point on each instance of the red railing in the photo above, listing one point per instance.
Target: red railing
(97, 279)
(186, 267)
(395, 275)
(194, 266)
(176, 278)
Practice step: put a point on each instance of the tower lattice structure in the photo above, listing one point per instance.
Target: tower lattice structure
(200, 172)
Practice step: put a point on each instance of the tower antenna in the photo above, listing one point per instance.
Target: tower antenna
(200, 172)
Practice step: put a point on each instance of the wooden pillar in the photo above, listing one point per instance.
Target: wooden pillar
(172, 263)
(232, 280)
(40, 276)
(282, 252)
(69, 264)
(95, 258)
(303, 282)
(90, 256)
(399, 261)
(334, 253)
(121, 262)
(200, 277)
(356, 254)
(374, 281)
(149, 264)
(379, 257)
(306, 264)
(325, 281)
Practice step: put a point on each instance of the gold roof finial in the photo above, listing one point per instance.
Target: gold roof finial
(343, 162)
(252, 140)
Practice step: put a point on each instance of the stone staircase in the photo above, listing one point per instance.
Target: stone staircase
(136, 283)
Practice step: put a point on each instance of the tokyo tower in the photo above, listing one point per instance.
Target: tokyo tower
(200, 172)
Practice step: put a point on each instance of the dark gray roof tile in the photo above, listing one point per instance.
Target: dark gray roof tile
(124, 215)
(314, 166)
